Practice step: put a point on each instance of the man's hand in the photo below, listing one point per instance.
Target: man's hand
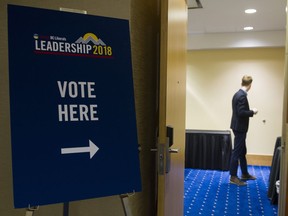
(255, 111)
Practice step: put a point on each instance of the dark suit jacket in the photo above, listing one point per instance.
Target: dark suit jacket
(241, 112)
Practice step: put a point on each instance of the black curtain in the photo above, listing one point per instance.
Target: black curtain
(208, 149)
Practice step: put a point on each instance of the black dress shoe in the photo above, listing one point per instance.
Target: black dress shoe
(248, 177)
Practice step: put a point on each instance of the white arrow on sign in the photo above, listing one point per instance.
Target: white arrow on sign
(92, 149)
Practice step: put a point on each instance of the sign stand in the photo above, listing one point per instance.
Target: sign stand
(66, 209)
(123, 197)
(30, 210)
(124, 200)
(125, 203)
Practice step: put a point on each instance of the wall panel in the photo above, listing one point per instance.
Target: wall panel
(144, 24)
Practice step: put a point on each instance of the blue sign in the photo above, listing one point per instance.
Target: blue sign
(73, 122)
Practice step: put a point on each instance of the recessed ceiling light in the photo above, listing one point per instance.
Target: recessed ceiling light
(248, 28)
(250, 11)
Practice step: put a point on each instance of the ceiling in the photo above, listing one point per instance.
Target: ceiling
(222, 18)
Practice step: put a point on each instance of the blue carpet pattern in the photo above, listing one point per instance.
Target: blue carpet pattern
(208, 192)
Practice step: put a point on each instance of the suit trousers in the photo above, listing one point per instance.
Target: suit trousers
(239, 154)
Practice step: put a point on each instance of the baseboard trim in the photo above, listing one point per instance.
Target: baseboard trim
(261, 160)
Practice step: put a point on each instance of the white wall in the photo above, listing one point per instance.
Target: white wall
(213, 77)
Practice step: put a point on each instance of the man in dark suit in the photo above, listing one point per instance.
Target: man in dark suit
(239, 125)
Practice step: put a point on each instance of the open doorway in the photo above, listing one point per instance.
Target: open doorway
(216, 65)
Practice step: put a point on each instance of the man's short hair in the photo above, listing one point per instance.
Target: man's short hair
(246, 80)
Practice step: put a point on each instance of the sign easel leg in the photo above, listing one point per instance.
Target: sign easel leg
(66, 209)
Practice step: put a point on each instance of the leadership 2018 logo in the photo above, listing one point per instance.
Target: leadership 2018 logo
(87, 46)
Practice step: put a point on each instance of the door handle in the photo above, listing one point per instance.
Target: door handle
(173, 150)
(163, 150)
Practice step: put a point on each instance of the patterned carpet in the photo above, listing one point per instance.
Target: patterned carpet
(208, 192)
